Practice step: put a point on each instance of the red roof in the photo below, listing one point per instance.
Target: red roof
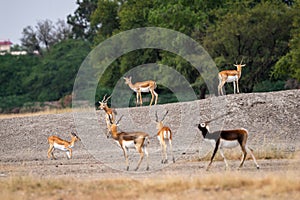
(7, 42)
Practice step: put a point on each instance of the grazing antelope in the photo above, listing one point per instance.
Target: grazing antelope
(126, 140)
(109, 113)
(139, 87)
(227, 139)
(230, 76)
(164, 134)
(60, 144)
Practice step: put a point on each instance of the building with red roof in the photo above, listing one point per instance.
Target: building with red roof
(5, 45)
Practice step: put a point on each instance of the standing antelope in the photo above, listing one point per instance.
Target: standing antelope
(230, 76)
(164, 134)
(227, 139)
(109, 113)
(60, 144)
(126, 140)
(139, 87)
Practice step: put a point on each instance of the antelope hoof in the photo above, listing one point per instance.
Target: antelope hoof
(257, 167)
(127, 168)
(147, 168)
(173, 160)
(136, 169)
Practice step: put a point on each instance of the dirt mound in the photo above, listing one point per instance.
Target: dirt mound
(271, 118)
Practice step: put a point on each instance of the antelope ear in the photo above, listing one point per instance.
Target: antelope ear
(243, 65)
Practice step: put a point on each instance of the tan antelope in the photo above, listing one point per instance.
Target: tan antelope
(164, 134)
(139, 87)
(109, 113)
(60, 144)
(227, 139)
(230, 76)
(126, 140)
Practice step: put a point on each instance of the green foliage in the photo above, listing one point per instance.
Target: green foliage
(14, 72)
(81, 19)
(268, 86)
(259, 34)
(54, 77)
(134, 14)
(265, 33)
(105, 17)
(289, 65)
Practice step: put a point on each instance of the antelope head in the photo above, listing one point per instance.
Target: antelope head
(103, 103)
(127, 80)
(239, 65)
(160, 123)
(75, 136)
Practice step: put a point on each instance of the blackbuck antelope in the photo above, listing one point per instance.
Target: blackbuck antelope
(164, 134)
(227, 139)
(109, 113)
(230, 76)
(127, 140)
(60, 144)
(139, 87)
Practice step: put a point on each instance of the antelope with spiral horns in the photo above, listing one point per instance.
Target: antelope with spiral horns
(139, 87)
(230, 76)
(227, 139)
(126, 140)
(60, 144)
(109, 113)
(164, 134)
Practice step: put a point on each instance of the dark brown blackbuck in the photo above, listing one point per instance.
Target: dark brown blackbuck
(227, 139)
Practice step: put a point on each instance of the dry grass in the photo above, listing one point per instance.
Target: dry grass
(46, 112)
(264, 152)
(228, 185)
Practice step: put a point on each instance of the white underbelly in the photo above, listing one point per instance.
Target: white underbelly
(223, 143)
(60, 147)
(129, 144)
(232, 78)
(228, 144)
(147, 89)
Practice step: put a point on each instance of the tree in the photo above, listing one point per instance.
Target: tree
(81, 20)
(44, 35)
(289, 65)
(54, 77)
(259, 34)
(105, 18)
(30, 40)
(14, 70)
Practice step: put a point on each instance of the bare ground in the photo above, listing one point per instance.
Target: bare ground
(271, 118)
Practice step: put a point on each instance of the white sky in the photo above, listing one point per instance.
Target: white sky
(17, 14)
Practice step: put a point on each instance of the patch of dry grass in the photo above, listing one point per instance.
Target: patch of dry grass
(46, 112)
(265, 152)
(228, 185)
